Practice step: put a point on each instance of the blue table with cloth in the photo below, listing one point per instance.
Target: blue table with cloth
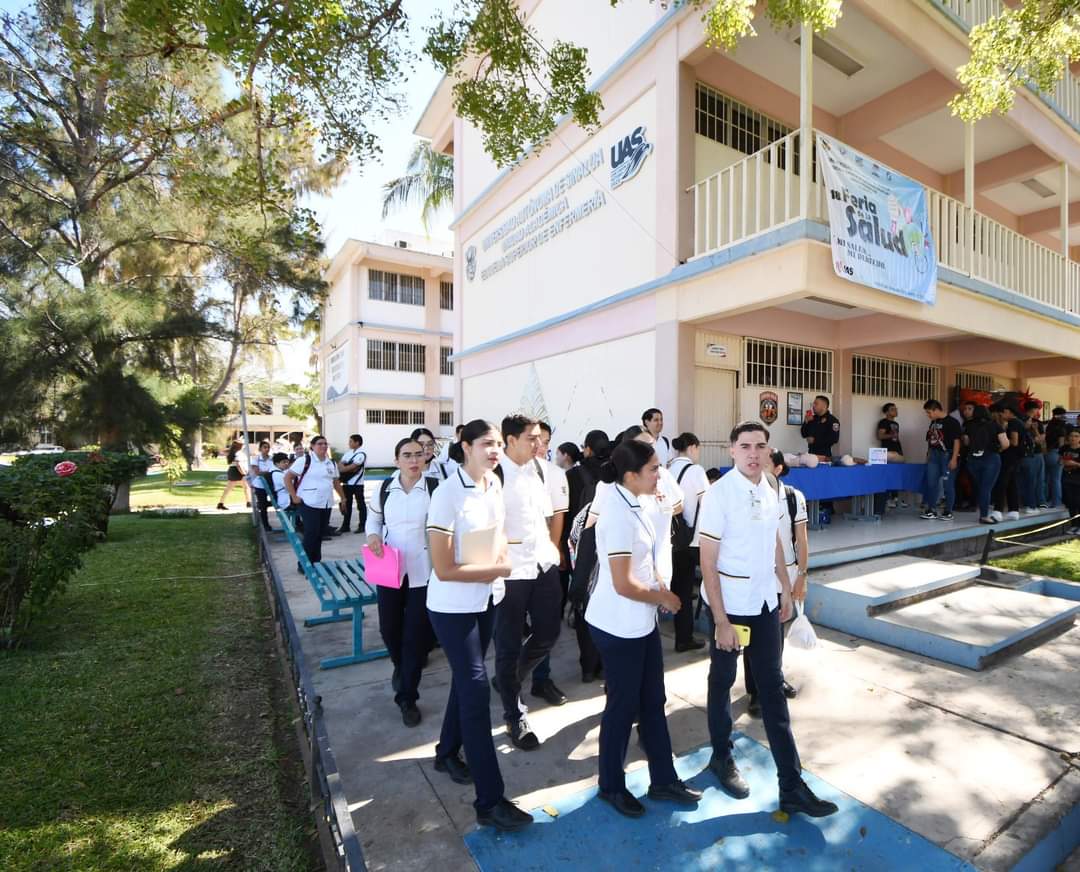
(859, 483)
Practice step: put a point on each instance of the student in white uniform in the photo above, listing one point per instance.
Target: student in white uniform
(398, 518)
(261, 465)
(652, 421)
(312, 481)
(796, 543)
(434, 467)
(282, 462)
(532, 589)
(742, 558)
(559, 491)
(691, 478)
(622, 616)
(467, 510)
(351, 467)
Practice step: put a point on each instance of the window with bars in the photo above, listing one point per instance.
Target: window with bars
(446, 296)
(446, 365)
(396, 417)
(771, 364)
(446, 419)
(411, 357)
(381, 354)
(374, 416)
(395, 288)
(976, 381)
(416, 418)
(893, 379)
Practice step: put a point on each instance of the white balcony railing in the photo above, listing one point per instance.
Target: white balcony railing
(971, 13)
(761, 193)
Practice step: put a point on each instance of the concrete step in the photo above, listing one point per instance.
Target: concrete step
(982, 624)
(889, 583)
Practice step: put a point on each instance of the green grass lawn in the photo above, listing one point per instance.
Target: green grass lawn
(144, 723)
(153, 490)
(1059, 561)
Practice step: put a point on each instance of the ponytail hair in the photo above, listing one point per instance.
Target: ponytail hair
(598, 443)
(684, 440)
(569, 449)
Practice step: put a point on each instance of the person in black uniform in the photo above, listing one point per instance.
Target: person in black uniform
(821, 429)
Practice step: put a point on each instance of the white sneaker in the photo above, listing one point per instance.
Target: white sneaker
(903, 504)
(1012, 516)
(1027, 510)
(997, 516)
(890, 504)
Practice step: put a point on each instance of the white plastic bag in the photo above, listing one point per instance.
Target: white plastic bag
(801, 634)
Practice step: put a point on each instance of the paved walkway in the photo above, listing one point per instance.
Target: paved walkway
(977, 764)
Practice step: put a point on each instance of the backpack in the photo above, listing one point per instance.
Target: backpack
(384, 489)
(793, 510)
(581, 543)
(361, 470)
(682, 533)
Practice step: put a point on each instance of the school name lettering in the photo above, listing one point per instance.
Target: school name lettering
(558, 218)
(862, 222)
(543, 200)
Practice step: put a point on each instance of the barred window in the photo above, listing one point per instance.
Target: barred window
(772, 364)
(976, 381)
(446, 419)
(381, 354)
(396, 416)
(416, 418)
(446, 296)
(411, 357)
(374, 416)
(893, 379)
(412, 290)
(382, 286)
(446, 365)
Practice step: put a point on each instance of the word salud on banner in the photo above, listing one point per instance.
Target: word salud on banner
(879, 224)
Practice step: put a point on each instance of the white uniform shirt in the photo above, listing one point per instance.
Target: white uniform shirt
(786, 522)
(458, 506)
(623, 530)
(355, 455)
(694, 482)
(744, 518)
(528, 510)
(557, 488)
(280, 491)
(402, 524)
(317, 489)
(441, 470)
(664, 450)
(259, 465)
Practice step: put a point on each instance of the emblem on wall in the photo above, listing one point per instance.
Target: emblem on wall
(768, 407)
(470, 262)
(627, 156)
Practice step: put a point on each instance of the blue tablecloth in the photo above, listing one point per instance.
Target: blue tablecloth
(837, 482)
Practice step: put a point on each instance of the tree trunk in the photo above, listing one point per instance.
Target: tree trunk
(197, 448)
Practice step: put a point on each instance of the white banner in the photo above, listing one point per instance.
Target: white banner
(879, 224)
(337, 372)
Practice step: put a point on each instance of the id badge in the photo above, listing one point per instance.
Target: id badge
(756, 513)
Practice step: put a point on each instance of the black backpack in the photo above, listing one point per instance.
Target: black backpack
(792, 507)
(682, 533)
(584, 572)
(384, 489)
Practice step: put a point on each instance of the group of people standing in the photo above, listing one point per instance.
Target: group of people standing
(496, 541)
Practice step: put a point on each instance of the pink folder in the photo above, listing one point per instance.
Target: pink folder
(384, 571)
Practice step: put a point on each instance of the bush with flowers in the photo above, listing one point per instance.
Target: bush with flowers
(52, 509)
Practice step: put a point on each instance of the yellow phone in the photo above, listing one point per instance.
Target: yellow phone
(743, 632)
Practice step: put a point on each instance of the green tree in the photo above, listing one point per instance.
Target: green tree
(428, 182)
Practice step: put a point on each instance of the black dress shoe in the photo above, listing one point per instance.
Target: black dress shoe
(344, 530)
(789, 691)
(505, 816)
(730, 779)
(753, 707)
(547, 691)
(802, 799)
(455, 767)
(677, 792)
(589, 677)
(522, 736)
(692, 645)
(624, 802)
(410, 714)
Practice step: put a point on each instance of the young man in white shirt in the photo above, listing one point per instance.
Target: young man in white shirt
(311, 482)
(742, 558)
(533, 587)
(352, 466)
(261, 465)
(559, 492)
(653, 422)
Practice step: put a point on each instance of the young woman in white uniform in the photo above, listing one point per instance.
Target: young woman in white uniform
(461, 613)
(691, 478)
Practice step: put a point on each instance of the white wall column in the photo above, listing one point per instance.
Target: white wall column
(806, 117)
(1065, 210)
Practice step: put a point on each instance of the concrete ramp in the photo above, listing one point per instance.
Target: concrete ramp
(935, 609)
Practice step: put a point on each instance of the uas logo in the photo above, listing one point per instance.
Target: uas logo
(470, 262)
(627, 156)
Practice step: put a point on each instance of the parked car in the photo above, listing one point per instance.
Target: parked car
(47, 448)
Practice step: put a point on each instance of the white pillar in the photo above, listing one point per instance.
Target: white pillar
(806, 118)
(1065, 210)
(969, 165)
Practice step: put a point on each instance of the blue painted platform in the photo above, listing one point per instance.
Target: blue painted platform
(720, 834)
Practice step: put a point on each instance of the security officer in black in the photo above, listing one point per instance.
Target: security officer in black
(821, 429)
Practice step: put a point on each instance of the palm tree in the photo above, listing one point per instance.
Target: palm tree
(428, 181)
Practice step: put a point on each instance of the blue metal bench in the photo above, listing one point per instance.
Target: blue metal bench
(339, 584)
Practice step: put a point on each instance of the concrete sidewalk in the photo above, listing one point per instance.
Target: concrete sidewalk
(981, 764)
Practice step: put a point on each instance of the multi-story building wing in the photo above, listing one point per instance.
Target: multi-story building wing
(680, 255)
(387, 338)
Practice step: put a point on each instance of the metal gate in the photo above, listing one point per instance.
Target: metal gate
(715, 397)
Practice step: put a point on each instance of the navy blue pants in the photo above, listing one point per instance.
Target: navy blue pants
(764, 651)
(985, 469)
(541, 600)
(354, 492)
(467, 722)
(316, 523)
(406, 632)
(634, 671)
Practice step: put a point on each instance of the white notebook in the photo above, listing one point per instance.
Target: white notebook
(478, 546)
